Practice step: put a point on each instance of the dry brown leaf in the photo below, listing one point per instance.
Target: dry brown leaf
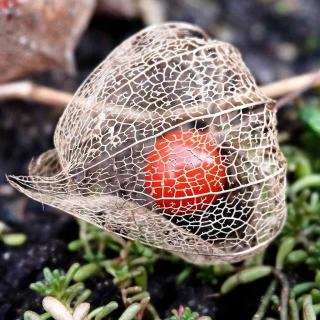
(37, 35)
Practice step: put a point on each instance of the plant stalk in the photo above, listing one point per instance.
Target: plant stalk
(27, 90)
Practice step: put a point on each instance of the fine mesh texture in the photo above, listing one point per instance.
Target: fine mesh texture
(167, 78)
(36, 35)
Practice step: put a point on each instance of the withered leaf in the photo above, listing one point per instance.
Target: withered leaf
(37, 35)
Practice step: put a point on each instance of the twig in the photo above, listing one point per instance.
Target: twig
(313, 80)
(27, 90)
(294, 85)
(283, 87)
(284, 293)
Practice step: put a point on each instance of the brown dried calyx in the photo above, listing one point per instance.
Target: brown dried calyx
(167, 78)
(37, 35)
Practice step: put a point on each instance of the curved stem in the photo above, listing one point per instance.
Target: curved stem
(27, 90)
(284, 293)
(291, 87)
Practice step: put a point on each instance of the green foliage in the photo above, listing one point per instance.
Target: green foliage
(186, 314)
(58, 284)
(298, 161)
(310, 115)
(245, 276)
(211, 274)
(303, 217)
(11, 239)
(64, 299)
(127, 262)
(312, 42)
(94, 243)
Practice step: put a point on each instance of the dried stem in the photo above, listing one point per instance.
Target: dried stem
(26, 90)
(284, 293)
(294, 84)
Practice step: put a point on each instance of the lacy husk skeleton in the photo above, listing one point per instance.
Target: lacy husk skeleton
(167, 77)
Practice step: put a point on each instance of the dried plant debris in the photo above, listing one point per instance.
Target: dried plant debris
(169, 141)
(37, 35)
(121, 8)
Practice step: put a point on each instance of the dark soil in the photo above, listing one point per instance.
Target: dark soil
(275, 42)
(48, 234)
